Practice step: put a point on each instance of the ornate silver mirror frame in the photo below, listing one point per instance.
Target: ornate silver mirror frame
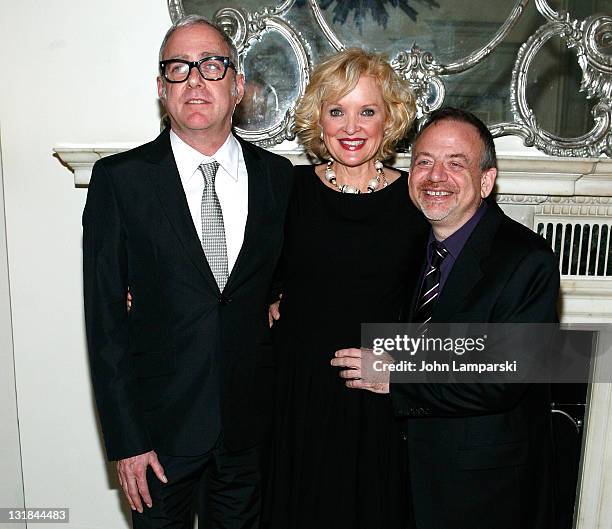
(591, 39)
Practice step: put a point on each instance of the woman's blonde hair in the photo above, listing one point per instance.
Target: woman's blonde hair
(335, 77)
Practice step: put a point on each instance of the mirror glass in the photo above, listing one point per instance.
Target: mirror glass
(270, 89)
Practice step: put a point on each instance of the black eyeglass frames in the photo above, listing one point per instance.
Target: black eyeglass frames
(211, 68)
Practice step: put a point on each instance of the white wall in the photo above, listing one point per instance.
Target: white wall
(11, 486)
(71, 72)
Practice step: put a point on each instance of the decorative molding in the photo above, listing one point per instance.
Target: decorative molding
(547, 11)
(589, 38)
(522, 175)
(588, 200)
(175, 7)
(523, 200)
(587, 288)
(595, 57)
(596, 82)
(591, 208)
(586, 300)
(422, 72)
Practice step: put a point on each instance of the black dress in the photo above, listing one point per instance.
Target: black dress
(337, 459)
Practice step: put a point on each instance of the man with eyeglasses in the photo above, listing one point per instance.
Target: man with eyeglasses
(191, 225)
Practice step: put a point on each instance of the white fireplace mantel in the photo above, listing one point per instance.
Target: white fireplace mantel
(81, 158)
(519, 175)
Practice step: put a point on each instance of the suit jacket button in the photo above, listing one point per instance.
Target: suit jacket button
(223, 300)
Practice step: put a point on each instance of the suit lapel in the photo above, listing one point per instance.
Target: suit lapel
(259, 199)
(167, 183)
(468, 268)
(413, 295)
(463, 278)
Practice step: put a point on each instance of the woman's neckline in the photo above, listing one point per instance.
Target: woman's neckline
(401, 176)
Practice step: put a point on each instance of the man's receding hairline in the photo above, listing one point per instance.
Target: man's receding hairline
(204, 53)
(198, 20)
(474, 128)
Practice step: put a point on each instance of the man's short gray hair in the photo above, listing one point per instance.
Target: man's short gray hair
(194, 20)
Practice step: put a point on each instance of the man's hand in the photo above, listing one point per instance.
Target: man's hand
(132, 473)
(274, 312)
(351, 360)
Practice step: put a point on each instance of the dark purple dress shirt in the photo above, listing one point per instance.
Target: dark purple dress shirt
(454, 244)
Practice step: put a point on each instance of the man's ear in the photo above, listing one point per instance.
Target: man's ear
(160, 88)
(239, 87)
(487, 181)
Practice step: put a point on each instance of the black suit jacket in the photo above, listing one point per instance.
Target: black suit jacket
(480, 455)
(187, 361)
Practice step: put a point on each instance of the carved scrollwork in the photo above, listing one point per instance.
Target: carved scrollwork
(548, 12)
(596, 57)
(421, 71)
(235, 24)
(175, 7)
(514, 129)
(596, 82)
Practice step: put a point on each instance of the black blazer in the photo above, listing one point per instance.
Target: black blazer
(480, 455)
(187, 361)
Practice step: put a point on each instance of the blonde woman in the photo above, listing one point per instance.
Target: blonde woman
(353, 246)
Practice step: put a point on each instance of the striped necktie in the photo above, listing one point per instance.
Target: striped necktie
(430, 288)
(213, 229)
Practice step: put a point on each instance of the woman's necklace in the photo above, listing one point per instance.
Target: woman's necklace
(373, 184)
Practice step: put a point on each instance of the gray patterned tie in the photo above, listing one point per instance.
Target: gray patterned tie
(213, 230)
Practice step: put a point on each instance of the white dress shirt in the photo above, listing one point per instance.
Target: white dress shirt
(231, 185)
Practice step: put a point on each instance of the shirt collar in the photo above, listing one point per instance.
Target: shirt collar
(454, 243)
(189, 159)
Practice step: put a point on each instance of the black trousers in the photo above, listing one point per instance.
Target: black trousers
(223, 487)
